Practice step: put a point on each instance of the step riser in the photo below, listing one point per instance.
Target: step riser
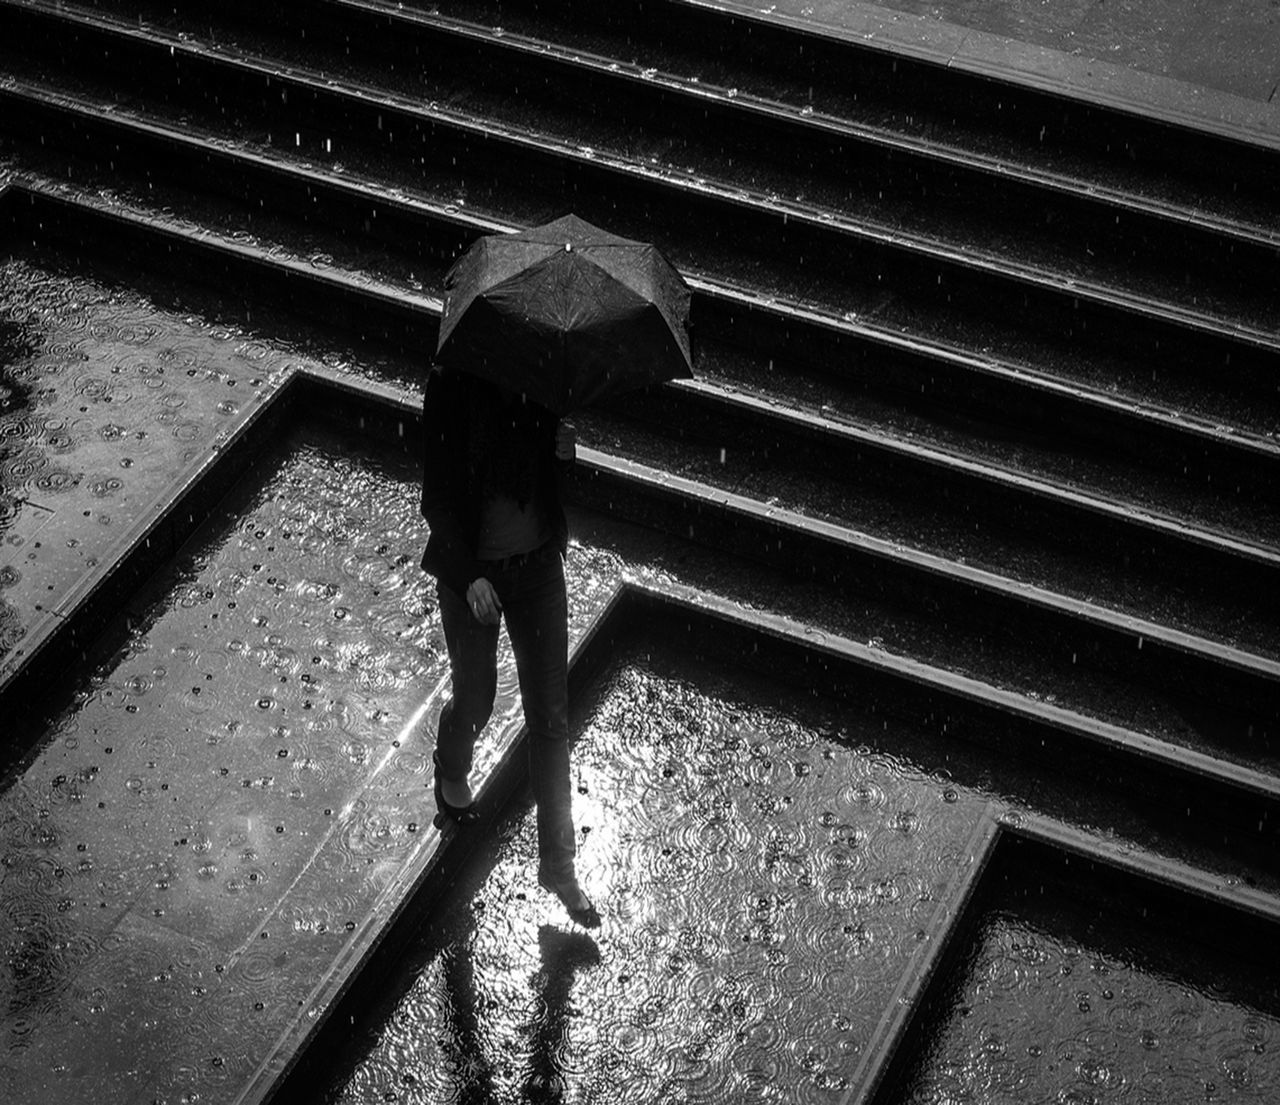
(242, 279)
(955, 607)
(115, 146)
(816, 65)
(865, 168)
(941, 492)
(612, 196)
(913, 379)
(932, 90)
(952, 498)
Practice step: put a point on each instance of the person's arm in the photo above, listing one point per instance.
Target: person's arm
(449, 554)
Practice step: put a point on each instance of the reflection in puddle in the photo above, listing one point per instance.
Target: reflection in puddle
(763, 881)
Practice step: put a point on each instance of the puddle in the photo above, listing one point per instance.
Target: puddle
(237, 773)
(763, 876)
(110, 400)
(1065, 994)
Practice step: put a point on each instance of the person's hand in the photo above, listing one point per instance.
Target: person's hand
(566, 437)
(483, 600)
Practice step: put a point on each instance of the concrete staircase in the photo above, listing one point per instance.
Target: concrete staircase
(999, 367)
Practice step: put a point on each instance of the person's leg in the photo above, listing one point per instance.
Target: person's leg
(537, 615)
(473, 665)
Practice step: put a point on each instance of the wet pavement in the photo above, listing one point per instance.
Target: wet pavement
(111, 406)
(1232, 47)
(766, 873)
(221, 806)
(207, 818)
(1048, 1003)
(1204, 63)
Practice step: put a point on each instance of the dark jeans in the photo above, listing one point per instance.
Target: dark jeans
(536, 610)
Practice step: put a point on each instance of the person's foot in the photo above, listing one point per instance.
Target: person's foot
(574, 900)
(453, 798)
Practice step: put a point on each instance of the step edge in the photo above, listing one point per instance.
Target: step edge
(1061, 496)
(1045, 281)
(1008, 372)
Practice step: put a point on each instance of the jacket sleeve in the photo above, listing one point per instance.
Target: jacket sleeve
(449, 554)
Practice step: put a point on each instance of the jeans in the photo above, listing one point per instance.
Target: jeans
(536, 610)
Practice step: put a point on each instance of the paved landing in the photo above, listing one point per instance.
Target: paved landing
(1206, 64)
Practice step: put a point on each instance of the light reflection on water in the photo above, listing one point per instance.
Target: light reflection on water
(763, 882)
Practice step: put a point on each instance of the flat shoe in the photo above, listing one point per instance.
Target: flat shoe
(586, 916)
(462, 815)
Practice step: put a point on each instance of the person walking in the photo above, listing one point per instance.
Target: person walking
(498, 537)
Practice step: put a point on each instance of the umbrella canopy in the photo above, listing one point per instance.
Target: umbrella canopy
(566, 313)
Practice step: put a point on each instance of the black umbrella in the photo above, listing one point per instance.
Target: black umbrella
(566, 313)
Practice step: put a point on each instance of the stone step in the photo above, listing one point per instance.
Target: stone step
(1176, 686)
(946, 99)
(1092, 334)
(993, 413)
(1108, 552)
(902, 190)
(1139, 676)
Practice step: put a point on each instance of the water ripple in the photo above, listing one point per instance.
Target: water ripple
(754, 877)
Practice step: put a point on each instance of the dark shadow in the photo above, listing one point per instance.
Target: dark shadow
(563, 955)
(464, 1041)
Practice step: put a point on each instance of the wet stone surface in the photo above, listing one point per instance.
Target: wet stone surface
(201, 765)
(1232, 47)
(216, 805)
(764, 877)
(108, 402)
(1057, 1000)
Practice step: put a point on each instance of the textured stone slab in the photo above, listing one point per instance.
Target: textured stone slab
(1192, 64)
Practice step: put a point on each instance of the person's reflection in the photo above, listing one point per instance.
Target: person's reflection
(562, 954)
(464, 1041)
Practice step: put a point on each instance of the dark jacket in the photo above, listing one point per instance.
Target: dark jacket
(450, 504)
